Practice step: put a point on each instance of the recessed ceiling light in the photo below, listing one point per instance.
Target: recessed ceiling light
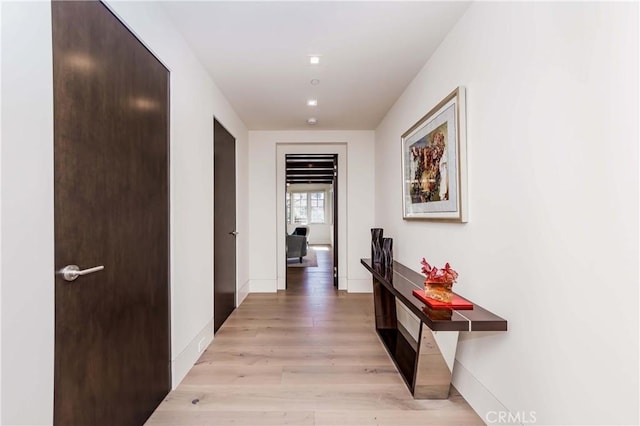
(312, 121)
(314, 59)
(312, 102)
(315, 82)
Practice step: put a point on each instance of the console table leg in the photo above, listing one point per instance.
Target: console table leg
(434, 363)
(384, 307)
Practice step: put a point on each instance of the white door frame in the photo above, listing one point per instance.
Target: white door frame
(282, 149)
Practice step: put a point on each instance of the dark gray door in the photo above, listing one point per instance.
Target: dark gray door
(111, 197)
(335, 220)
(224, 224)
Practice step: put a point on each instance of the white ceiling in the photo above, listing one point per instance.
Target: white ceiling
(257, 53)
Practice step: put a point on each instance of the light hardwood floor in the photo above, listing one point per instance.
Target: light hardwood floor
(305, 356)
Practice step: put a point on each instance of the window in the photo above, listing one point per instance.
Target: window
(299, 207)
(317, 207)
(305, 207)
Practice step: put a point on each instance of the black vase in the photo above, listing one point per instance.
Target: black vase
(376, 247)
(387, 258)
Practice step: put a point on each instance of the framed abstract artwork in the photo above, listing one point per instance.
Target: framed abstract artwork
(434, 163)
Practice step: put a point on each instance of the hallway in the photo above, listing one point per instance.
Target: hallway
(305, 356)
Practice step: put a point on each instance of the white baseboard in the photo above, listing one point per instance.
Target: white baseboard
(263, 286)
(479, 398)
(342, 283)
(360, 286)
(282, 283)
(182, 363)
(243, 292)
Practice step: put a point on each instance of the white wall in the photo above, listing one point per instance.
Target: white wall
(27, 214)
(27, 199)
(552, 239)
(263, 208)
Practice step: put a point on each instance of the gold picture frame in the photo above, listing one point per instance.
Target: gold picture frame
(434, 163)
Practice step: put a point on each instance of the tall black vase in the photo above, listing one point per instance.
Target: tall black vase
(387, 258)
(376, 247)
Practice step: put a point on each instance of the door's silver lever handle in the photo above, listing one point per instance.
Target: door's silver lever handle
(71, 272)
(234, 233)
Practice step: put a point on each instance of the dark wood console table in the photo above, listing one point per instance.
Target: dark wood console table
(426, 364)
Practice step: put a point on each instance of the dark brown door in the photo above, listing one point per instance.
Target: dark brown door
(111, 198)
(224, 224)
(335, 220)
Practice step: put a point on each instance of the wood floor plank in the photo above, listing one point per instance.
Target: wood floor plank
(270, 322)
(309, 339)
(213, 374)
(284, 397)
(305, 356)
(305, 332)
(449, 416)
(232, 418)
(260, 355)
(340, 375)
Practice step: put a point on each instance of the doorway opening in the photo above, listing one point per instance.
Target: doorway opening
(311, 220)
